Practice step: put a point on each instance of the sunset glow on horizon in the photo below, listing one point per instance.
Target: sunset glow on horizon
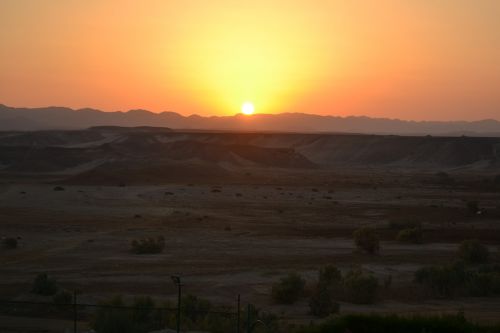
(247, 108)
(406, 59)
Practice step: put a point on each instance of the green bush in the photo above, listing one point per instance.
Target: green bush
(329, 276)
(9, 243)
(360, 287)
(444, 280)
(457, 279)
(63, 297)
(114, 316)
(473, 252)
(198, 314)
(148, 245)
(194, 308)
(145, 317)
(321, 302)
(366, 239)
(289, 289)
(412, 235)
(111, 317)
(44, 285)
(373, 323)
(141, 316)
(482, 284)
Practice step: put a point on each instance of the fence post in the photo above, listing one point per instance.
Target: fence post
(75, 313)
(179, 309)
(177, 281)
(239, 312)
(248, 318)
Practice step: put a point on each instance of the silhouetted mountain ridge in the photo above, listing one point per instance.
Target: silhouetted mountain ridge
(48, 118)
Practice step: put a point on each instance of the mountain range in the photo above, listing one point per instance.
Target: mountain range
(61, 118)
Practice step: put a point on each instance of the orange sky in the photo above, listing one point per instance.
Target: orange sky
(409, 59)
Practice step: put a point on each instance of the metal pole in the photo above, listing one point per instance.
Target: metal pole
(248, 318)
(239, 313)
(179, 309)
(75, 314)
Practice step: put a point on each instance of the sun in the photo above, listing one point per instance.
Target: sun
(247, 108)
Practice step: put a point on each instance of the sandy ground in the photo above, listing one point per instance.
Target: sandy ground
(230, 239)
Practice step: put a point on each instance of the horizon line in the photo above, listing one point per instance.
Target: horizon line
(253, 115)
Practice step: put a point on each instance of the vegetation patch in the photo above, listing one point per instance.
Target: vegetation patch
(372, 323)
(289, 289)
(473, 252)
(321, 303)
(148, 245)
(113, 316)
(360, 287)
(9, 243)
(447, 281)
(366, 239)
(410, 235)
(403, 224)
(44, 285)
(63, 297)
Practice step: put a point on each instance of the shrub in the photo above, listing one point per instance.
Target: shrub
(195, 308)
(254, 314)
(375, 323)
(144, 315)
(412, 235)
(482, 284)
(367, 240)
(329, 276)
(441, 280)
(148, 245)
(457, 279)
(360, 287)
(9, 243)
(491, 273)
(399, 225)
(321, 303)
(288, 289)
(63, 297)
(473, 252)
(473, 207)
(113, 317)
(44, 285)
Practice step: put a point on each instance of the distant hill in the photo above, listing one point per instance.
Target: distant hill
(57, 150)
(61, 118)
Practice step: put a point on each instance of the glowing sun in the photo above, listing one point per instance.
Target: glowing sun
(247, 108)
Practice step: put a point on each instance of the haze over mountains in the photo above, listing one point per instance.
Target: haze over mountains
(48, 118)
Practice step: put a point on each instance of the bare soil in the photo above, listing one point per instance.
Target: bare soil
(226, 239)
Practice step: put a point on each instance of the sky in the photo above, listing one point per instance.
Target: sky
(406, 59)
